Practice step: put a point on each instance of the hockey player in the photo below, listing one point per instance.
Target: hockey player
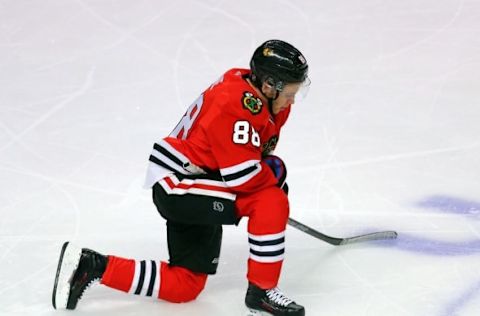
(213, 169)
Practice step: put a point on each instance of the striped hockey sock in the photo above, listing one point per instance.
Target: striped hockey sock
(153, 279)
(133, 276)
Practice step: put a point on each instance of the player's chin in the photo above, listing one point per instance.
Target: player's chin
(279, 109)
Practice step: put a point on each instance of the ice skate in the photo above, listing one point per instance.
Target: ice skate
(270, 302)
(77, 269)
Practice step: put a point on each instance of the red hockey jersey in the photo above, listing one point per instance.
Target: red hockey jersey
(227, 130)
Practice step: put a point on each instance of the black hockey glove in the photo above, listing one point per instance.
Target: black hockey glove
(279, 170)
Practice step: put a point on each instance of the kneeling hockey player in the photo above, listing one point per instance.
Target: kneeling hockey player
(213, 169)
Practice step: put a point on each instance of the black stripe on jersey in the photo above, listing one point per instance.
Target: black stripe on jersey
(214, 175)
(267, 253)
(209, 176)
(141, 279)
(169, 155)
(239, 174)
(161, 163)
(153, 276)
(266, 242)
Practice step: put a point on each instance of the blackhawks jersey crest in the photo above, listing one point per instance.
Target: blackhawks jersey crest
(252, 103)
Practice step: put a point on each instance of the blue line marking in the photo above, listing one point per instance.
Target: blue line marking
(451, 204)
(433, 247)
(455, 307)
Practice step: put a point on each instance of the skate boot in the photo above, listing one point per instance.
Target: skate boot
(77, 269)
(270, 301)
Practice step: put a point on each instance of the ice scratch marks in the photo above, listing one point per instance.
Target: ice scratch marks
(79, 92)
(441, 30)
(390, 158)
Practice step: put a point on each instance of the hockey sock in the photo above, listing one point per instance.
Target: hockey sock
(152, 279)
(266, 258)
(267, 211)
(132, 276)
(180, 284)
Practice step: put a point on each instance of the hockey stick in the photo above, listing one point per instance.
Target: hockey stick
(342, 241)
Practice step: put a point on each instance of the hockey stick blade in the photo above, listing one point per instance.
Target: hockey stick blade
(342, 241)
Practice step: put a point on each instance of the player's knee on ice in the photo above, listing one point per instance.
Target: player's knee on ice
(180, 285)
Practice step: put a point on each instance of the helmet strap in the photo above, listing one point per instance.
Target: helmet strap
(257, 82)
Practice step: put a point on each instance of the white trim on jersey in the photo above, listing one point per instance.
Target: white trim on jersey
(237, 168)
(193, 190)
(173, 151)
(169, 162)
(174, 159)
(216, 183)
(229, 174)
(245, 178)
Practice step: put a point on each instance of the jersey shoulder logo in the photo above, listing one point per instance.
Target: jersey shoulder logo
(251, 103)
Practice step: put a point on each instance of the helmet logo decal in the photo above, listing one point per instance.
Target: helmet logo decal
(302, 59)
(267, 52)
(251, 103)
(279, 60)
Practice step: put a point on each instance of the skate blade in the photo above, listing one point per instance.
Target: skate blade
(254, 312)
(67, 264)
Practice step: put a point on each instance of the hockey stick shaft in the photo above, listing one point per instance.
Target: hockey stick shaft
(341, 241)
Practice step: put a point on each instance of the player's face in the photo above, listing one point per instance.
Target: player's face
(286, 97)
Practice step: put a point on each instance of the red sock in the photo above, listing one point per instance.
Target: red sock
(180, 284)
(147, 278)
(267, 211)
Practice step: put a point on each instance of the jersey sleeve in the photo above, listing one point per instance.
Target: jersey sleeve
(235, 144)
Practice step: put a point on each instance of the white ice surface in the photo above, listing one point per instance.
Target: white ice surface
(392, 119)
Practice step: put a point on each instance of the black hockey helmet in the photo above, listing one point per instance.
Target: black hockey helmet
(278, 63)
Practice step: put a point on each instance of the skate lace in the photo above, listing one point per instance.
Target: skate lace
(278, 297)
